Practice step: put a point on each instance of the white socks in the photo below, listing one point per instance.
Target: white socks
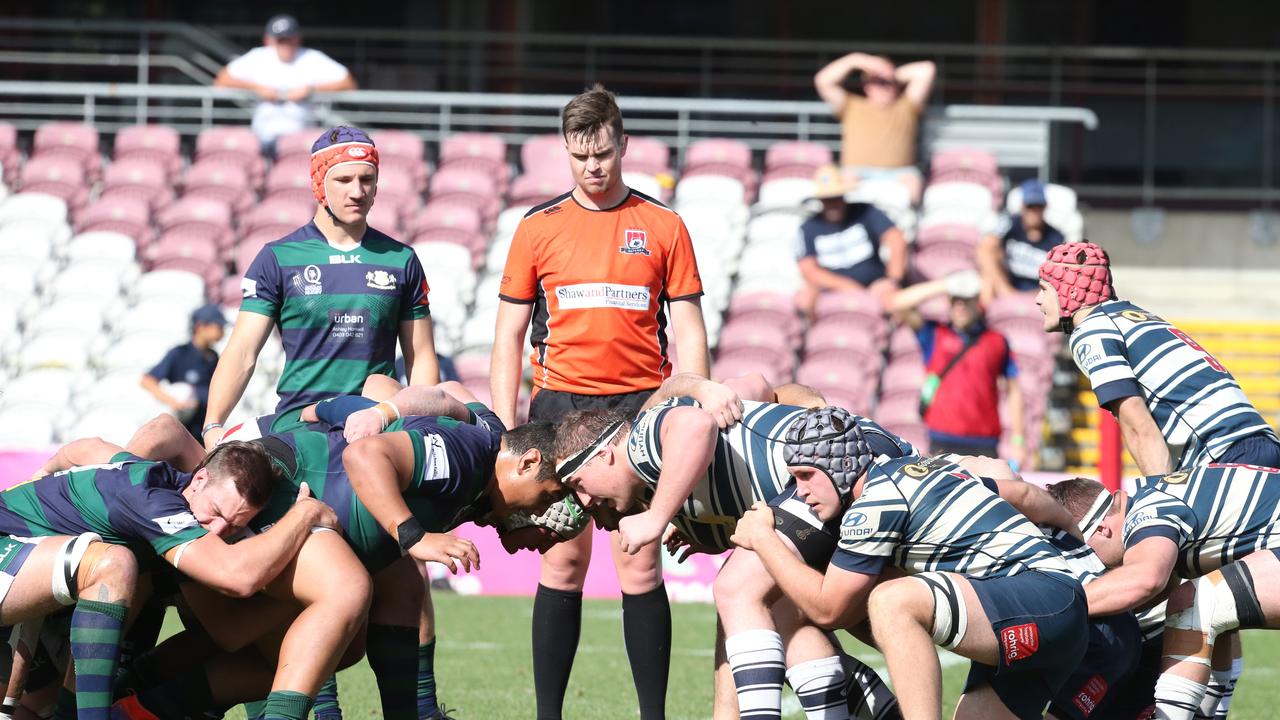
(1177, 698)
(819, 684)
(1222, 686)
(756, 659)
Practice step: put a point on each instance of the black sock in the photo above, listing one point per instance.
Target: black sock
(557, 623)
(646, 629)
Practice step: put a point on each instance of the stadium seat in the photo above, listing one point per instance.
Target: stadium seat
(137, 351)
(62, 348)
(843, 384)
(784, 194)
(852, 306)
(101, 281)
(774, 228)
(50, 385)
(904, 346)
(465, 186)
(771, 307)
(477, 151)
(387, 218)
(33, 207)
(644, 184)
(197, 218)
(964, 165)
(443, 215)
(58, 175)
(176, 285)
(219, 180)
(114, 388)
(472, 367)
(403, 150)
(291, 180)
(903, 379)
(837, 340)
(443, 258)
(647, 155)
(182, 244)
(290, 147)
(280, 215)
(889, 196)
(10, 155)
(158, 143)
(964, 237)
(802, 154)
(739, 365)
(113, 423)
(22, 277)
(234, 143)
(527, 190)
(139, 178)
(128, 216)
(84, 314)
(71, 140)
(160, 315)
(477, 332)
(30, 425)
(396, 187)
(31, 240)
(941, 259)
(510, 218)
(717, 152)
(714, 189)
(545, 156)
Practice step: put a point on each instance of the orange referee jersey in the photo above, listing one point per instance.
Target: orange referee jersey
(598, 281)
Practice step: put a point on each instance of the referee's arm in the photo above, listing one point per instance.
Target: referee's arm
(504, 362)
(691, 336)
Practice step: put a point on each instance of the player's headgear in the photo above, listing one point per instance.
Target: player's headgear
(830, 440)
(338, 146)
(570, 465)
(1081, 273)
(565, 518)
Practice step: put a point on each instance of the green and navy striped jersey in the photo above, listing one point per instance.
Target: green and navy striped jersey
(747, 465)
(339, 312)
(453, 464)
(1215, 514)
(924, 515)
(129, 501)
(1127, 352)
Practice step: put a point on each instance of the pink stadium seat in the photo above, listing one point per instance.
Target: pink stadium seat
(125, 215)
(913, 432)
(739, 365)
(472, 367)
(249, 247)
(10, 156)
(462, 146)
(902, 378)
(62, 176)
(473, 241)
(292, 146)
(717, 151)
(936, 308)
(963, 164)
(800, 154)
(775, 308)
(290, 180)
(898, 409)
(904, 346)
(751, 333)
(193, 253)
(387, 218)
(790, 172)
(397, 187)
(211, 273)
(839, 340)
(393, 143)
(941, 259)
(219, 180)
(446, 215)
(852, 305)
(208, 220)
(842, 384)
(160, 143)
(467, 187)
(229, 292)
(536, 189)
(140, 179)
(545, 156)
(415, 169)
(647, 155)
(948, 234)
(70, 139)
(1014, 310)
(234, 143)
(281, 215)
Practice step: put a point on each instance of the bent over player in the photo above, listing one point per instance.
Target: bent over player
(982, 580)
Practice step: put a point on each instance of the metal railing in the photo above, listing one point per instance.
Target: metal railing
(434, 116)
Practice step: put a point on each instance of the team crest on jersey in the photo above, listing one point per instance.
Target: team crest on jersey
(380, 280)
(174, 524)
(915, 471)
(308, 283)
(249, 288)
(1177, 478)
(634, 242)
(1135, 316)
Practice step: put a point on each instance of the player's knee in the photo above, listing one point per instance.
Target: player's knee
(1218, 602)
(379, 387)
(898, 601)
(112, 566)
(640, 573)
(565, 569)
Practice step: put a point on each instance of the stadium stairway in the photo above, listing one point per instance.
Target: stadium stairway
(1249, 349)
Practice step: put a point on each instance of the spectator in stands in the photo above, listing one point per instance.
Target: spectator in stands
(1010, 257)
(879, 126)
(284, 75)
(840, 247)
(188, 368)
(965, 363)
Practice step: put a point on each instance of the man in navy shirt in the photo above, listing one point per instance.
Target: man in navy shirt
(1010, 257)
(839, 248)
(191, 363)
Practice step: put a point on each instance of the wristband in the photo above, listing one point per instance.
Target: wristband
(409, 533)
(1016, 440)
(209, 427)
(385, 419)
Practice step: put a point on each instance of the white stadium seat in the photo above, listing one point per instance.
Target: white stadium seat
(22, 278)
(137, 351)
(176, 285)
(57, 349)
(710, 189)
(90, 279)
(495, 258)
(33, 206)
(158, 316)
(442, 258)
(45, 385)
(36, 241)
(774, 227)
(644, 183)
(84, 315)
(887, 195)
(103, 246)
(784, 194)
(27, 426)
(960, 195)
(508, 219)
(113, 423)
(114, 388)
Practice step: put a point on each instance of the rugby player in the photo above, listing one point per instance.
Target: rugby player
(100, 506)
(1217, 526)
(428, 474)
(982, 580)
(676, 463)
(1163, 388)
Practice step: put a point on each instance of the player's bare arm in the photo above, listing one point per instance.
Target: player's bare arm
(248, 566)
(691, 336)
(719, 399)
(235, 367)
(380, 469)
(1142, 438)
(418, 345)
(165, 439)
(1037, 505)
(688, 442)
(504, 362)
(1135, 583)
(85, 451)
(837, 599)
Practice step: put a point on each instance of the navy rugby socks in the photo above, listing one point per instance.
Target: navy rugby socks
(326, 705)
(393, 651)
(557, 625)
(96, 628)
(646, 631)
(427, 680)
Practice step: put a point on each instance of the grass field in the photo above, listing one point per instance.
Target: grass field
(483, 666)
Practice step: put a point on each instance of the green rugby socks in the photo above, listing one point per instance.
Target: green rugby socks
(96, 628)
(393, 652)
(286, 705)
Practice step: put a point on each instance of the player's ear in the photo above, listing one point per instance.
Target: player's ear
(530, 462)
(622, 146)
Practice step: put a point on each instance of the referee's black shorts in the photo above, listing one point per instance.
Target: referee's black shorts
(552, 405)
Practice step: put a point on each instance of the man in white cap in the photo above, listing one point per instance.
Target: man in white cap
(965, 364)
(284, 74)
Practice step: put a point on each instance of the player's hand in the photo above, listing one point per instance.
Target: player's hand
(317, 513)
(721, 401)
(363, 423)
(637, 531)
(449, 550)
(212, 437)
(752, 525)
(675, 540)
(298, 94)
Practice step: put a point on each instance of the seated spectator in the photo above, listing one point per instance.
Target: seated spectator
(186, 370)
(879, 126)
(839, 248)
(965, 364)
(1010, 257)
(284, 75)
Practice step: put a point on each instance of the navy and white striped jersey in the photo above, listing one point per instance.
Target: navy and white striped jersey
(1198, 406)
(923, 515)
(747, 465)
(1215, 514)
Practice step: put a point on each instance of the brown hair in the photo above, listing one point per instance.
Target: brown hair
(539, 435)
(581, 428)
(591, 110)
(1077, 495)
(245, 464)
